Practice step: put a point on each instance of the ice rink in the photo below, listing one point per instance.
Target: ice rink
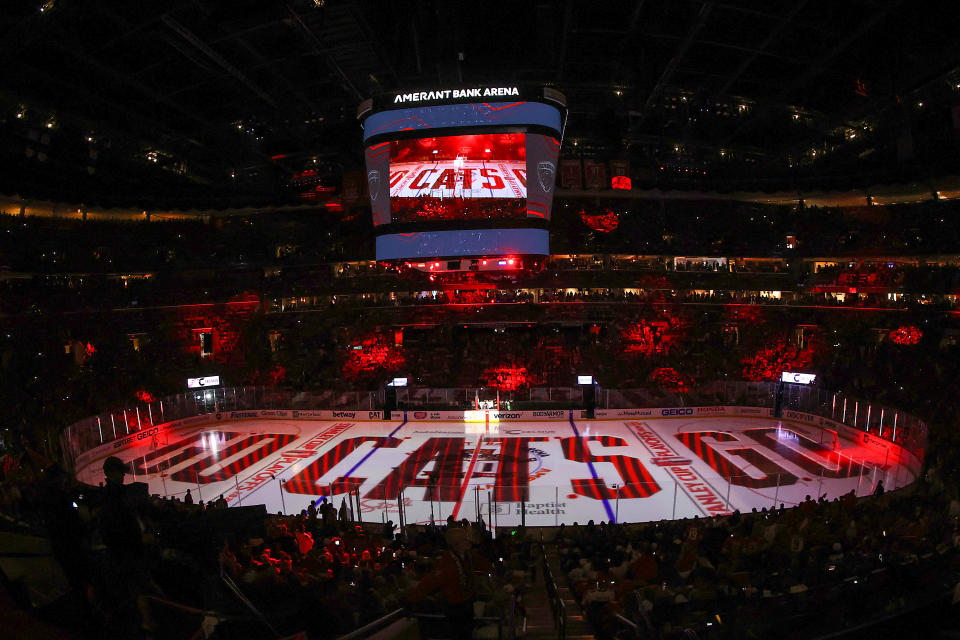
(561, 470)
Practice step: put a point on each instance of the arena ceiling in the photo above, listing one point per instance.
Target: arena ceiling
(107, 100)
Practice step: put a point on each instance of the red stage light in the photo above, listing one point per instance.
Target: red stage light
(907, 334)
(656, 336)
(772, 360)
(603, 222)
(511, 377)
(671, 379)
(374, 356)
(745, 314)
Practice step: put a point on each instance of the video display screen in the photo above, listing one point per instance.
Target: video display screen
(464, 177)
(478, 181)
(458, 178)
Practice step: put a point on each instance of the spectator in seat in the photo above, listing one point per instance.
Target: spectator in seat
(328, 515)
(304, 540)
(453, 574)
(124, 576)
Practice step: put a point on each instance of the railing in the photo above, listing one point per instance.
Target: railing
(232, 586)
(557, 605)
(874, 419)
(548, 505)
(632, 628)
(822, 610)
(112, 426)
(376, 625)
(883, 421)
(561, 618)
(506, 624)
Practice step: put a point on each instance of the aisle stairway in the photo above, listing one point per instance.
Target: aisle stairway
(540, 623)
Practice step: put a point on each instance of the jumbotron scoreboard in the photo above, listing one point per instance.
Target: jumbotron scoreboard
(462, 173)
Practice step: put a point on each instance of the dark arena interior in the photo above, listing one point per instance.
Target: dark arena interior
(629, 320)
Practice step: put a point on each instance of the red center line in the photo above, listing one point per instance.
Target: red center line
(466, 480)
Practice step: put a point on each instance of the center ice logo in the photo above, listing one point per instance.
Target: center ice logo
(438, 466)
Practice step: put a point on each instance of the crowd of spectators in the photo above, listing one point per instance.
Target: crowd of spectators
(822, 566)
(427, 208)
(646, 227)
(152, 567)
(751, 570)
(841, 298)
(91, 294)
(63, 265)
(779, 559)
(717, 228)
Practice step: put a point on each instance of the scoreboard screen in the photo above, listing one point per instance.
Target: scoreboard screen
(463, 179)
(489, 166)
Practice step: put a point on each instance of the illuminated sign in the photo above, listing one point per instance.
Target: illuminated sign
(798, 378)
(437, 178)
(464, 177)
(397, 382)
(584, 379)
(620, 182)
(197, 383)
(455, 94)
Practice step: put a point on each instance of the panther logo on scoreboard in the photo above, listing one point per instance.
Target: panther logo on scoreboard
(546, 172)
(373, 179)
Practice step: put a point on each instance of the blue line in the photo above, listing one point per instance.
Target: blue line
(372, 451)
(593, 472)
